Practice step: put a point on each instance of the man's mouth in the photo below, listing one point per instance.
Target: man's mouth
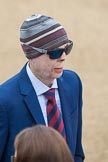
(58, 70)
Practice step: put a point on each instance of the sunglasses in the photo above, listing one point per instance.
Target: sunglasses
(54, 54)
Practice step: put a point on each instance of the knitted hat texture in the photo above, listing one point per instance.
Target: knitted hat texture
(42, 32)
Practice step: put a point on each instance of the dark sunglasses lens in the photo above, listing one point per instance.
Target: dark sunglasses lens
(68, 49)
(55, 54)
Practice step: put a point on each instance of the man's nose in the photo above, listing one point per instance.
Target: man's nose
(63, 57)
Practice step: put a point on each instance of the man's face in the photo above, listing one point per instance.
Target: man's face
(46, 69)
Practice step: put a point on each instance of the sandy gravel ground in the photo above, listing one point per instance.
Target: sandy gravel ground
(86, 23)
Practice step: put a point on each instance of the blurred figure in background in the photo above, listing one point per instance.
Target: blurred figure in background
(41, 144)
(42, 92)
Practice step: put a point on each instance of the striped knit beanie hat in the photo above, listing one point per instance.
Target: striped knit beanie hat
(42, 32)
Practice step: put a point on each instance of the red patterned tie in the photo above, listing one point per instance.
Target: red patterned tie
(54, 115)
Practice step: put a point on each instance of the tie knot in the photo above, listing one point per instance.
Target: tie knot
(50, 94)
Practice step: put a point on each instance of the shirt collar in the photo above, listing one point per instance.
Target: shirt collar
(39, 86)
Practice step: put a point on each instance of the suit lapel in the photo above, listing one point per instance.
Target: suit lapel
(67, 109)
(34, 107)
(30, 97)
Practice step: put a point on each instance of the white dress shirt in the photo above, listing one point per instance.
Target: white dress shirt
(41, 88)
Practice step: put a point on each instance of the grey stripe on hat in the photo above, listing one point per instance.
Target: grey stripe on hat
(55, 43)
(44, 35)
(28, 32)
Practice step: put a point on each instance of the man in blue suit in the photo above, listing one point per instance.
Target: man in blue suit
(22, 103)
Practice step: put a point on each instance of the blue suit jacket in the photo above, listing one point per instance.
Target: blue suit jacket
(19, 109)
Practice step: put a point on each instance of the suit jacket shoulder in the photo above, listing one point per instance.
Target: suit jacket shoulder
(71, 78)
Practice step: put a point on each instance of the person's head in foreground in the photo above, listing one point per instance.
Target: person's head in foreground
(46, 44)
(41, 144)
